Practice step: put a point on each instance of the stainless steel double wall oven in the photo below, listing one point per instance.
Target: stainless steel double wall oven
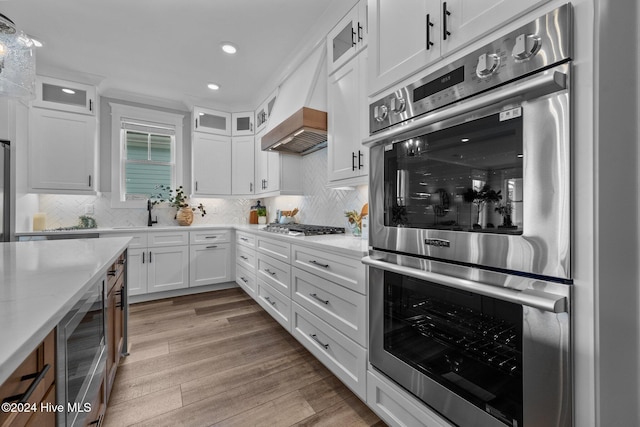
(470, 232)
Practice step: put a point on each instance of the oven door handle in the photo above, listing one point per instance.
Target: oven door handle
(548, 82)
(532, 298)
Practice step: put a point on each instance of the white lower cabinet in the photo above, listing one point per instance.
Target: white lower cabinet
(397, 407)
(274, 272)
(275, 303)
(346, 359)
(210, 264)
(137, 273)
(168, 268)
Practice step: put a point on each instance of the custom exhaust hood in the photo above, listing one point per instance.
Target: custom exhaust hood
(298, 122)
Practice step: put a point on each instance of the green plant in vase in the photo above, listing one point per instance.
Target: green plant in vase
(179, 200)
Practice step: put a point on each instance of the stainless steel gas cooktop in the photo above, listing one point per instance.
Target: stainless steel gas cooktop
(303, 229)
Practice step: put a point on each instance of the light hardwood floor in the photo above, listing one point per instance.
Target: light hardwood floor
(217, 359)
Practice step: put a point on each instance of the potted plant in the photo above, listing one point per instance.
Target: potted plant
(480, 198)
(505, 210)
(179, 200)
(262, 215)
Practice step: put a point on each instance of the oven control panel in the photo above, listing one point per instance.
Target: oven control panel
(542, 43)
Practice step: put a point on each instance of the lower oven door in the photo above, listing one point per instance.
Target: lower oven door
(479, 354)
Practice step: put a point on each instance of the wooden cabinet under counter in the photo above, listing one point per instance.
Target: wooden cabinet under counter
(31, 384)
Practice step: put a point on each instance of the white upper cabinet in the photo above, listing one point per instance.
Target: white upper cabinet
(401, 40)
(211, 165)
(242, 165)
(62, 152)
(348, 37)
(263, 112)
(65, 96)
(242, 123)
(211, 121)
(348, 124)
(407, 39)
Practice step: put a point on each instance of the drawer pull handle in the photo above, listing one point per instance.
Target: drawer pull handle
(111, 272)
(23, 398)
(244, 280)
(212, 247)
(313, 261)
(244, 257)
(273, 273)
(211, 237)
(318, 298)
(269, 301)
(315, 338)
(244, 239)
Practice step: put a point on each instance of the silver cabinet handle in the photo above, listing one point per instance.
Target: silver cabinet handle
(315, 338)
(211, 247)
(270, 272)
(269, 301)
(315, 296)
(313, 261)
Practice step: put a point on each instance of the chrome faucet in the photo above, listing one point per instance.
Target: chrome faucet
(149, 221)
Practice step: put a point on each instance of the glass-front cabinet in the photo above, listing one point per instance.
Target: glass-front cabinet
(211, 121)
(62, 95)
(347, 37)
(242, 123)
(263, 112)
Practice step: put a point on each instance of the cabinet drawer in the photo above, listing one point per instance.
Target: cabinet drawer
(16, 386)
(246, 280)
(210, 236)
(396, 406)
(347, 272)
(346, 359)
(340, 307)
(246, 239)
(246, 258)
(274, 248)
(276, 304)
(168, 238)
(138, 240)
(276, 273)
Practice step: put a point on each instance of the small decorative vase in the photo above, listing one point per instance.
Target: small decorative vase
(262, 220)
(184, 216)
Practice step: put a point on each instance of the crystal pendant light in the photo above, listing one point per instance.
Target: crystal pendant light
(17, 62)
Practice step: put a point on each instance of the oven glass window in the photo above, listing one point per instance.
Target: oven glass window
(84, 346)
(467, 342)
(463, 178)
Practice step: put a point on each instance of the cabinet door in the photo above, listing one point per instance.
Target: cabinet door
(210, 264)
(137, 261)
(242, 165)
(403, 40)
(347, 156)
(469, 19)
(263, 112)
(62, 150)
(242, 123)
(211, 121)
(65, 96)
(267, 167)
(168, 268)
(347, 37)
(211, 167)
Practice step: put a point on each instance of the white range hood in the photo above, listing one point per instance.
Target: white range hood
(298, 122)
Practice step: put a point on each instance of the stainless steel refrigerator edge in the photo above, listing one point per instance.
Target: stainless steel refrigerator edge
(5, 189)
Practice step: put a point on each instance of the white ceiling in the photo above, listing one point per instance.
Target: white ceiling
(165, 52)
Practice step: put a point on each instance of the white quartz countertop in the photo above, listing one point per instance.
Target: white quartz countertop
(40, 282)
(344, 244)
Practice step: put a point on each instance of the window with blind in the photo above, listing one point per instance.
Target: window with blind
(146, 152)
(148, 161)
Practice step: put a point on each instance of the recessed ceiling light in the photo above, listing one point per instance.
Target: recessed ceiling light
(69, 91)
(228, 48)
(520, 156)
(465, 140)
(213, 86)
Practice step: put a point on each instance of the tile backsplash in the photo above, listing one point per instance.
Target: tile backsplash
(320, 205)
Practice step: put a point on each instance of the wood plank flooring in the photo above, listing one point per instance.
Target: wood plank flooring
(217, 359)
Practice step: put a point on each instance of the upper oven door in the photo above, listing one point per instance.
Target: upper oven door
(485, 181)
